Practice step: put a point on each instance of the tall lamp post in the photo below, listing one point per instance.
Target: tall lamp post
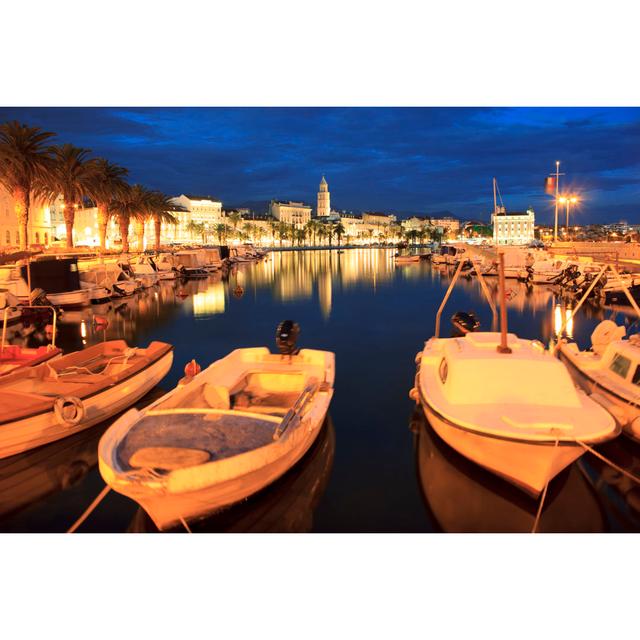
(557, 177)
(567, 201)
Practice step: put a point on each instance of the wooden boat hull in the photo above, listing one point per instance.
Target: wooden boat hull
(167, 509)
(527, 465)
(36, 430)
(241, 459)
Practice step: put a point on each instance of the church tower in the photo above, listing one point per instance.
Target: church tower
(324, 208)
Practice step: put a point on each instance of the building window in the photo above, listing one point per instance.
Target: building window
(37, 238)
(17, 237)
(8, 237)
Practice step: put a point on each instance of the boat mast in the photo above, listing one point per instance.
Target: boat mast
(503, 347)
(495, 202)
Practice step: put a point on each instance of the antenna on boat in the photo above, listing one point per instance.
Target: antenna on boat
(503, 347)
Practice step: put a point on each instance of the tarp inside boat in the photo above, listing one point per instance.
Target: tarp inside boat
(173, 441)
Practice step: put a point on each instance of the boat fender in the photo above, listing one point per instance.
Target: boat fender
(68, 410)
(192, 369)
(414, 395)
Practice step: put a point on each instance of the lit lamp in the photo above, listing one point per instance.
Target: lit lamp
(568, 201)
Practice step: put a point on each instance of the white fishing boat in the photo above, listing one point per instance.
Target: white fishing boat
(58, 278)
(507, 404)
(97, 294)
(144, 268)
(144, 280)
(164, 266)
(189, 264)
(610, 373)
(58, 398)
(108, 275)
(517, 414)
(229, 432)
(406, 259)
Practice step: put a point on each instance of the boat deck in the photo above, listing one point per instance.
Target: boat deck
(214, 436)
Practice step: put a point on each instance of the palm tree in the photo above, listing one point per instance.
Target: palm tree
(131, 205)
(339, 231)
(221, 230)
(312, 229)
(109, 184)
(195, 228)
(25, 164)
(159, 207)
(283, 231)
(273, 226)
(235, 219)
(74, 177)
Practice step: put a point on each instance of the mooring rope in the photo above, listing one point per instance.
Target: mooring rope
(536, 522)
(90, 509)
(185, 525)
(624, 472)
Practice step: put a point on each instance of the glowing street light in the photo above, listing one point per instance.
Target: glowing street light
(568, 201)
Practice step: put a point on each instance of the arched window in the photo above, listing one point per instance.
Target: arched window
(17, 237)
(46, 238)
(37, 238)
(8, 236)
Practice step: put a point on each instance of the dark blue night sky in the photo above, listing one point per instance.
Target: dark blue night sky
(400, 160)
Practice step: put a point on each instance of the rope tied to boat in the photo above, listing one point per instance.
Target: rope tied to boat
(618, 468)
(536, 522)
(89, 510)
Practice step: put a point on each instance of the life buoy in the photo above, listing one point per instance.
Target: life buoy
(68, 410)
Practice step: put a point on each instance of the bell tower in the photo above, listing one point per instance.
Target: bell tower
(324, 207)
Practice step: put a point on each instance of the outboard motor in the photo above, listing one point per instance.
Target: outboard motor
(463, 323)
(287, 336)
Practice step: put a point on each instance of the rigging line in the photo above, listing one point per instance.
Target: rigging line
(90, 509)
(536, 522)
(624, 472)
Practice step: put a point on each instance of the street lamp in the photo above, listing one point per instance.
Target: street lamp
(568, 201)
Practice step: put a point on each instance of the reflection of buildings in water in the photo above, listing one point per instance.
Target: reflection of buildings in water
(286, 506)
(211, 301)
(324, 293)
(619, 495)
(292, 275)
(464, 498)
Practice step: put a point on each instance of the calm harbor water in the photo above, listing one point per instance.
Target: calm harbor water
(377, 465)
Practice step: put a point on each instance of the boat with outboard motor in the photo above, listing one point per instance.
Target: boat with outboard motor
(609, 372)
(226, 433)
(52, 400)
(472, 393)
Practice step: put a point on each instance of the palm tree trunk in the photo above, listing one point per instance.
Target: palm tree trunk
(124, 233)
(157, 224)
(21, 204)
(140, 234)
(103, 220)
(69, 216)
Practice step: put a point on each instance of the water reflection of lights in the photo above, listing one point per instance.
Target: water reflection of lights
(209, 302)
(561, 316)
(83, 331)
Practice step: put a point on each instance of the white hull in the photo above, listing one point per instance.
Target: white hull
(166, 510)
(79, 298)
(625, 414)
(34, 431)
(529, 466)
(201, 488)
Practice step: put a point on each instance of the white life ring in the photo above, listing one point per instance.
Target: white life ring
(68, 410)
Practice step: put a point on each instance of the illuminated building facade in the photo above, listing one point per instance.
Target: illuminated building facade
(324, 204)
(296, 213)
(513, 228)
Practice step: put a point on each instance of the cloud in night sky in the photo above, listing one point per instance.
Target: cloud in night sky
(403, 160)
